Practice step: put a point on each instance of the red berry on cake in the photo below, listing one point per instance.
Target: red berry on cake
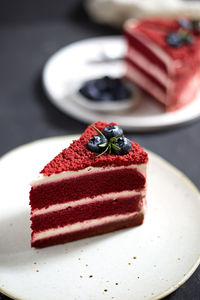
(86, 191)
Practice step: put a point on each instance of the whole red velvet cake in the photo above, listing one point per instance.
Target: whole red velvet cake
(81, 193)
(163, 58)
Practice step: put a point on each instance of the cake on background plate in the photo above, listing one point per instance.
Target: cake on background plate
(96, 185)
(163, 58)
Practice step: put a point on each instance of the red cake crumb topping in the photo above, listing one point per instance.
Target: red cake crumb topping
(157, 30)
(77, 156)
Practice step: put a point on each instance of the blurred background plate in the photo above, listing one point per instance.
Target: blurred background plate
(96, 57)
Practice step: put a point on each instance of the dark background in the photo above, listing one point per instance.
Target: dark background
(30, 32)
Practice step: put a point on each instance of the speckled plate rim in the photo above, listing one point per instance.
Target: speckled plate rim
(167, 165)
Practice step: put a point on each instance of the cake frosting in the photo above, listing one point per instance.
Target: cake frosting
(78, 195)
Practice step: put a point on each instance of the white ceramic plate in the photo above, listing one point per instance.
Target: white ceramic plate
(73, 64)
(147, 262)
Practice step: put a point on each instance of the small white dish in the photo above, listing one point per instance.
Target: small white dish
(146, 262)
(109, 106)
(98, 57)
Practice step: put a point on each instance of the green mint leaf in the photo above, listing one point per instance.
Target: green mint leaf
(103, 145)
(102, 152)
(118, 135)
(115, 147)
(184, 35)
(97, 130)
(114, 138)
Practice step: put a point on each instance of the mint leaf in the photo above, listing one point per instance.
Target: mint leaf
(103, 145)
(115, 147)
(97, 130)
(102, 152)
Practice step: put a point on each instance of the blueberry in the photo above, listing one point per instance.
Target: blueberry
(95, 141)
(105, 89)
(196, 26)
(174, 39)
(124, 144)
(122, 93)
(90, 91)
(185, 23)
(111, 131)
(101, 83)
(106, 96)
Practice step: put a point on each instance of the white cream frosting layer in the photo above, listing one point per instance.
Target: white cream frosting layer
(83, 225)
(151, 68)
(84, 201)
(41, 179)
(146, 83)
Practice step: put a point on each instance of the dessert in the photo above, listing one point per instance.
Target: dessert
(96, 185)
(163, 58)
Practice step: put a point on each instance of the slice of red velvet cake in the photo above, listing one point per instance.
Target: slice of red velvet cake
(97, 185)
(163, 58)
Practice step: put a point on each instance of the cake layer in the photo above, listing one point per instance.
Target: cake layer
(80, 213)
(86, 229)
(84, 201)
(88, 185)
(145, 46)
(152, 77)
(145, 83)
(152, 70)
(69, 174)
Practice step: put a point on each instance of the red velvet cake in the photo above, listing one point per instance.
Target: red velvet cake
(163, 58)
(81, 194)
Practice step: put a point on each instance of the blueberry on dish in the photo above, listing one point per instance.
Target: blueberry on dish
(105, 89)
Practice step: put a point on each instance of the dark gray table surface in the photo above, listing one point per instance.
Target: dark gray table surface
(30, 32)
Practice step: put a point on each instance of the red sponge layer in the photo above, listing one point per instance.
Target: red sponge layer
(83, 186)
(90, 211)
(80, 234)
(141, 47)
